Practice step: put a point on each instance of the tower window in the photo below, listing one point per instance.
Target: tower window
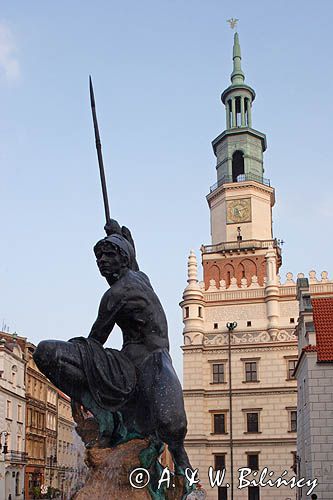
(219, 426)
(237, 165)
(219, 462)
(251, 371)
(238, 112)
(252, 422)
(187, 312)
(216, 325)
(253, 461)
(292, 320)
(248, 323)
(218, 373)
(200, 312)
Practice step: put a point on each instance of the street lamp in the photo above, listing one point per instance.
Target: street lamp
(231, 326)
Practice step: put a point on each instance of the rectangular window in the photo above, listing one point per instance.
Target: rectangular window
(19, 443)
(216, 325)
(248, 323)
(218, 373)
(291, 367)
(251, 371)
(253, 461)
(187, 312)
(219, 423)
(293, 420)
(19, 413)
(252, 422)
(9, 409)
(200, 312)
(219, 462)
(253, 493)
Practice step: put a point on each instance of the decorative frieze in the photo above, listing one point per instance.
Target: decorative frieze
(250, 338)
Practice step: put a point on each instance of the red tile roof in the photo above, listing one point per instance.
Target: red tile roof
(310, 348)
(323, 323)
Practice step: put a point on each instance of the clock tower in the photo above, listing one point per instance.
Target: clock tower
(240, 348)
(241, 201)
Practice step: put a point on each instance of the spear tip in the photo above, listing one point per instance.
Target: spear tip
(91, 89)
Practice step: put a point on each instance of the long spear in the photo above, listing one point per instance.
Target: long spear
(99, 154)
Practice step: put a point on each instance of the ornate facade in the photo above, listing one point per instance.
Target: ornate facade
(38, 443)
(12, 418)
(36, 393)
(240, 348)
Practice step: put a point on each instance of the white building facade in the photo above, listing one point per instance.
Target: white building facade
(12, 420)
(240, 348)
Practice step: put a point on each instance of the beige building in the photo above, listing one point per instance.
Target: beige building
(314, 373)
(70, 449)
(36, 391)
(239, 389)
(51, 421)
(12, 418)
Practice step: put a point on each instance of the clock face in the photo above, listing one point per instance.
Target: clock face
(239, 211)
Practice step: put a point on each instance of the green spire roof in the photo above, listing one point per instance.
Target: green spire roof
(237, 76)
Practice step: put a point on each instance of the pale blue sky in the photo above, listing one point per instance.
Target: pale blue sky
(158, 68)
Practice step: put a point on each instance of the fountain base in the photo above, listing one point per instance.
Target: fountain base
(109, 471)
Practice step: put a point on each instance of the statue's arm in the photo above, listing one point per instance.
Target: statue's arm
(104, 323)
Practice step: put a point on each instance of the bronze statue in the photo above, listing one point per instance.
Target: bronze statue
(130, 393)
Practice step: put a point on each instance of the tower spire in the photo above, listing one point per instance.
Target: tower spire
(237, 76)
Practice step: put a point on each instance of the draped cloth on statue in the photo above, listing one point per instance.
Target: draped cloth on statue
(110, 375)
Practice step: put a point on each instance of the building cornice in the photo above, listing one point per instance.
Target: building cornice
(213, 393)
(239, 131)
(278, 441)
(241, 185)
(12, 394)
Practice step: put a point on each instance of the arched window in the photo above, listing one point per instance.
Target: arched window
(237, 165)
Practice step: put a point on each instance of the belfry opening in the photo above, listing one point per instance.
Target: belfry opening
(237, 165)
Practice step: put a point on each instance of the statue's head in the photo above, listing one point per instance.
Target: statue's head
(114, 254)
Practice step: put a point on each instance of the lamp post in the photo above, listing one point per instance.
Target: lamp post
(231, 326)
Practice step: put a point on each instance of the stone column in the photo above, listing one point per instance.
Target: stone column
(227, 109)
(233, 108)
(272, 293)
(242, 111)
(249, 115)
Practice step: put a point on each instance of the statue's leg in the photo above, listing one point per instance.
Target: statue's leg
(161, 389)
(60, 362)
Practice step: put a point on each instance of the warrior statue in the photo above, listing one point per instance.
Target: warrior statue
(134, 392)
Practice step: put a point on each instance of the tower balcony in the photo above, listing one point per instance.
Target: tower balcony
(227, 179)
(245, 245)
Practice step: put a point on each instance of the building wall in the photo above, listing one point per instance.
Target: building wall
(70, 449)
(36, 392)
(314, 408)
(273, 395)
(12, 419)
